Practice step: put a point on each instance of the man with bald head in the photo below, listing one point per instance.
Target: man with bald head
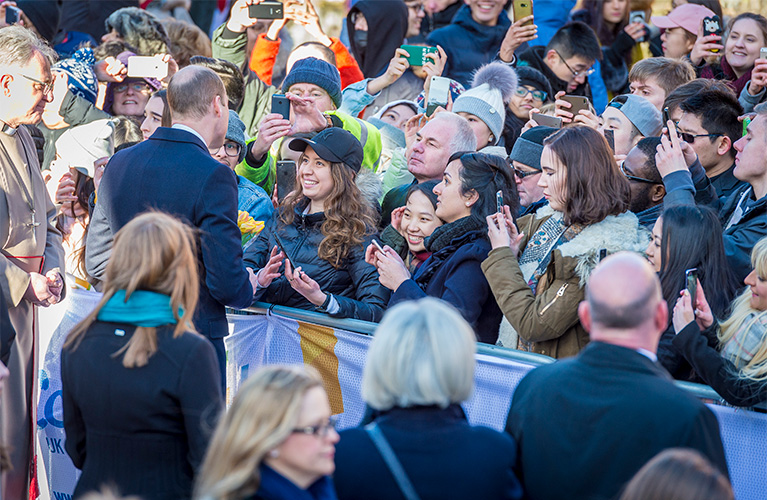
(585, 425)
(173, 171)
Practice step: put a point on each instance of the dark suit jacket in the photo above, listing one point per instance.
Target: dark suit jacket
(172, 171)
(145, 429)
(585, 425)
(443, 456)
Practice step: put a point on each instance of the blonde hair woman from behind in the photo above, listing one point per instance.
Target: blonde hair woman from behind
(136, 378)
(739, 372)
(276, 442)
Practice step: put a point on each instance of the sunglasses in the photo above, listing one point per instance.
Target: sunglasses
(522, 174)
(690, 138)
(634, 177)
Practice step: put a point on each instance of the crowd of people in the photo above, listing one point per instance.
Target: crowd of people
(587, 183)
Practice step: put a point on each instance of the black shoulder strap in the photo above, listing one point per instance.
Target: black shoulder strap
(394, 465)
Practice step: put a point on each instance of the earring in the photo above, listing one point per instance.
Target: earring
(274, 453)
(468, 204)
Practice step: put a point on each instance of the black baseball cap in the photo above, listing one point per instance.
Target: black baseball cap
(333, 144)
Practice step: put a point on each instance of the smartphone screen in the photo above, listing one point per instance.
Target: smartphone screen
(499, 201)
(691, 280)
(286, 178)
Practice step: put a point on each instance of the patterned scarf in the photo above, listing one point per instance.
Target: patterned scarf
(740, 349)
(537, 254)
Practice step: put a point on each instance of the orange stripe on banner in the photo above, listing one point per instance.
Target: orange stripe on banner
(318, 344)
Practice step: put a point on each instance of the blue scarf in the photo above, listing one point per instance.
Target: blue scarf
(143, 308)
(275, 486)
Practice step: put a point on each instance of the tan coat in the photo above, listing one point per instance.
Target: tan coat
(549, 319)
(18, 238)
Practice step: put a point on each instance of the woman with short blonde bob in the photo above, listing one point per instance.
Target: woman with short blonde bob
(276, 442)
(419, 369)
(139, 386)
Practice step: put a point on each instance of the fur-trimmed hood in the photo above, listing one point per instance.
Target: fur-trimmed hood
(614, 234)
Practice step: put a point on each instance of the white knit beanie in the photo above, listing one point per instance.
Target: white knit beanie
(81, 146)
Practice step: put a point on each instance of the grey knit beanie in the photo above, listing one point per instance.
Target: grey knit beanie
(316, 72)
(235, 132)
(491, 90)
(529, 146)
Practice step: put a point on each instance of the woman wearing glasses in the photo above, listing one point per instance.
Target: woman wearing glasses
(533, 91)
(466, 195)
(418, 372)
(276, 442)
(538, 267)
(130, 96)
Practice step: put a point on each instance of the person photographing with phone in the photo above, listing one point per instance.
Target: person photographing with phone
(730, 355)
(311, 253)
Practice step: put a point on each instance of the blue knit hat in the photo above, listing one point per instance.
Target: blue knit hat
(81, 79)
(316, 72)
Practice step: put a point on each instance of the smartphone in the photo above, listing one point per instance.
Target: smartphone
(602, 251)
(282, 248)
(691, 282)
(281, 105)
(666, 117)
(378, 246)
(499, 201)
(578, 102)
(11, 15)
(147, 67)
(712, 26)
(638, 16)
(268, 9)
(746, 121)
(417, 54)
(547, 120)
(522, 8)
(439, 93)
(286, 178)
(763, 53)
(610, 136)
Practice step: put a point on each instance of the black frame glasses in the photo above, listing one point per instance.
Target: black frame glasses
(43, 87)
(634, 177)
(137, 86)
(522, 174)
(538, 95)
(576, 74)
(231, 149)
(320, 430)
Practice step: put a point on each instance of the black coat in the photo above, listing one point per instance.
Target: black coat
(443, 456)
(173, 171)
(354, 285)
(145, 429)
(585, 425)
(715, 370)
(456, 277)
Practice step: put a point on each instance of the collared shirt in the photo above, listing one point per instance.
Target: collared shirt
(644, 352)
(190, 130)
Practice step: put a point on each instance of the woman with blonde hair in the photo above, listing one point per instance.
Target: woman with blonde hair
(324, 225)
(140, 388)
(730, 356)
(419, 369)
(276, 442)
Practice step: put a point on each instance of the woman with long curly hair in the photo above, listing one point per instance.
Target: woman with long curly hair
(311, 254)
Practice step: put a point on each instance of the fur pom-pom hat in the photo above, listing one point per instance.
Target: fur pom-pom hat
(490, 93)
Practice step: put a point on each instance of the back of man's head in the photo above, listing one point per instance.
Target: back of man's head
(684, 92)
(649, 146)
(718, 109)
(230, 74)
(191, 92)
(623, 303)
(19, 45)
(576, 39)
(668, 73)
(463, 138)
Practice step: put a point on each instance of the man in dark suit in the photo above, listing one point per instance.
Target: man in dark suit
(173, 171)
(585, 425)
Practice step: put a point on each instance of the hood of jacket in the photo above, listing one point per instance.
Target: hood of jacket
(614, 234)
(387, 27)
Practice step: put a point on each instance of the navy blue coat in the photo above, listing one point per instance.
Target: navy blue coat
(469, 44)
(460, 282)
(173, 171)
(585, 425)
(443, 456)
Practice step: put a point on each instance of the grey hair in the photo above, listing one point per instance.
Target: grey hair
(761, 109)
(423, 353)
(463, 136)
(18, 45)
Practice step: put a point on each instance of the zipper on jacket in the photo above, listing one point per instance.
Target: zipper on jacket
(560, 292)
